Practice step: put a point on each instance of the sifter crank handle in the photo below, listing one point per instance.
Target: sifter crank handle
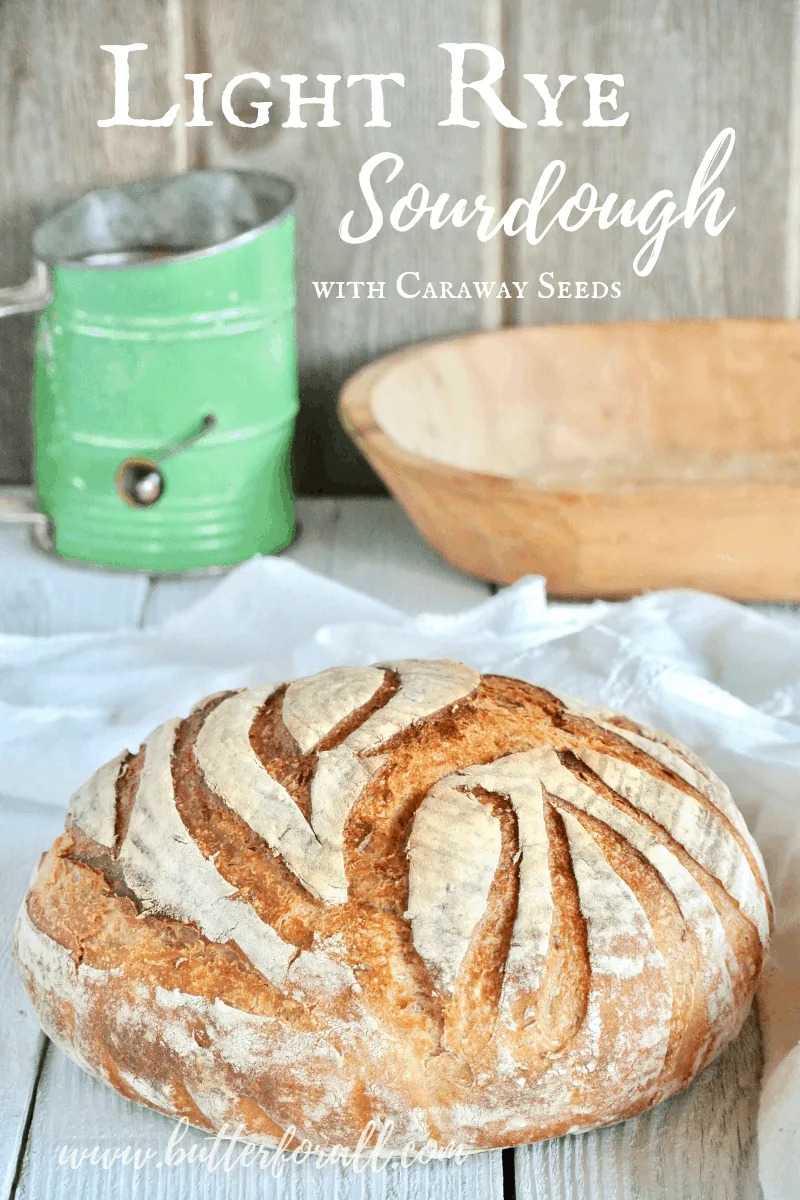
(208, 423)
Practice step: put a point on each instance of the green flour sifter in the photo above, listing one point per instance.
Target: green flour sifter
(165, 390)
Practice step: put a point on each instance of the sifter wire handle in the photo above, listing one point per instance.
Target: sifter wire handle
(31, 296)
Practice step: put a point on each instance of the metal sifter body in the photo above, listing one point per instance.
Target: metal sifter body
(165, 381)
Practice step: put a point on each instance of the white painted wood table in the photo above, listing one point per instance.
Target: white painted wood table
(700, 1146)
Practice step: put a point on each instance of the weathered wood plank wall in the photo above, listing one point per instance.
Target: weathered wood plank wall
(689, 70)
(54, 80)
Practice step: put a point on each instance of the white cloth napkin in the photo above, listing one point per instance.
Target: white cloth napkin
(723, 678)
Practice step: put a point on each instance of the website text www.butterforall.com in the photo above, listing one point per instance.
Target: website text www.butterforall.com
(227, 1151)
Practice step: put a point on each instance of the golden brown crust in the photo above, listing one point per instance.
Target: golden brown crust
(324, 1014)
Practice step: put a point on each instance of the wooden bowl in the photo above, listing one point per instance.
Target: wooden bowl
(608, 458)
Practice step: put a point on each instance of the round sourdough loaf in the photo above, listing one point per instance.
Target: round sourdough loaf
(409, 893)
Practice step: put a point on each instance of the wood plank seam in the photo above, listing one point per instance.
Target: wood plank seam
(508, 1158)
(176, 59)
(493, 140)
(792, 277)
(198, 55)
(23, 1141)
(510, 257)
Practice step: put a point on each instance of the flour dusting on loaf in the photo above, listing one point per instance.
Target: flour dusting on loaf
(693, 826)
(165, 869)
(313, 706)
(513, 778)
(462, 903)
(233, 770)
(449, 877)
(94, 806)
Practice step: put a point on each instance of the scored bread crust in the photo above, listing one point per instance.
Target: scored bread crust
(407, 893)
